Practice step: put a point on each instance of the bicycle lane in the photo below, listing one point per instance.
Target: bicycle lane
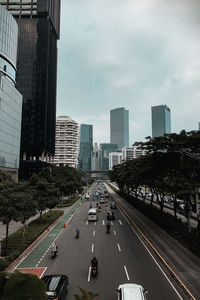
(30, 262)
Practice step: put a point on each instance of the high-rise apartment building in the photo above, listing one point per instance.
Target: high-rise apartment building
(39, 28)
(119, 127)
(10, 98)
(85, 147)
(161, 120)
(129, 153)
(115, 158)
(66, 147)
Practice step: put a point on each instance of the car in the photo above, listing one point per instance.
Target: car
(131, 291)
(113, 205)
(56, 286)
(102, 200)
(106, 195)
(110, 216)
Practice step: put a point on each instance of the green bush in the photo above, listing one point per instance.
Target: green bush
(3, 264)
(18, 243)
(175, 228)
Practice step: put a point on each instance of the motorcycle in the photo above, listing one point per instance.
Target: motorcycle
(108, 228)
(77, 234)
(54, 251)
(94, 267)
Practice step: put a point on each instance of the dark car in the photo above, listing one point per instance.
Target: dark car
(56, 286)
(113, 205)
(110, 216)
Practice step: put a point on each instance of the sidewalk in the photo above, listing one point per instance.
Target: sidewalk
(184, 263)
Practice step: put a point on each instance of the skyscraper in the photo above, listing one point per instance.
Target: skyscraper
(39, 25)
(85, 147)
(10, 98)
(119, 127)
(66, 153)
(161, 120)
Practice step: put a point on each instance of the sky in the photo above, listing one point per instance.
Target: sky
(133, 54)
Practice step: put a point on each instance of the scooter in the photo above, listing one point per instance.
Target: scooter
(77, 234)
(94, 271)
(54, 253)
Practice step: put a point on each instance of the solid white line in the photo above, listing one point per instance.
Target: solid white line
(114, 232)
(157, 264)
(119, 247)
(89, 273)
(125, 218)
(103, 222)
(120, 222)
(128, 278)
(92, 247)
(94, 233)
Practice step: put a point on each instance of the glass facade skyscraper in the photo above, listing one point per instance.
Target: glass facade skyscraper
(161, 120)
(119, 127)
(85, 147)
(39, 28)
(10, 98)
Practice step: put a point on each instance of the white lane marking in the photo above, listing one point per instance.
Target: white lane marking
(92, 248)
(94, 233)
(114, 232)
(120, 222)
(86, 223)
(103, 222)
(119, 247)
(128, 278)
(89, 273)
(157, 264)
(111, 222)
(95, 223)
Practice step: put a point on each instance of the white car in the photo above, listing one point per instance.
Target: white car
(131, 291)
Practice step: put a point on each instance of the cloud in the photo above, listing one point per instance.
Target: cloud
(130, 53)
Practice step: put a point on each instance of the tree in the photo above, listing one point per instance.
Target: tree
(21, 286)
(85, 295)
(24, 203)
(44, 193)
(8, 211)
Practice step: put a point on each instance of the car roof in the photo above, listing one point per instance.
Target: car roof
(131, 291)
(52, 281)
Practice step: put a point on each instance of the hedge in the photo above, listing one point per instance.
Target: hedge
(18, 243)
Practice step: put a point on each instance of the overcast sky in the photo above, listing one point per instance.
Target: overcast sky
(133, 54)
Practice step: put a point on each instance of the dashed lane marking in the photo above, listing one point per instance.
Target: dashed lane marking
(120, 222)
(94, 233)
(89, 273)
(119, 247)
(114, 232)
(103, 222)
(92, 248)
(128, 278)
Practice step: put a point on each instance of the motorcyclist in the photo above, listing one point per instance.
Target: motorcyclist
(94, 262)
(54, 247)
(77, 231)
(108, 226)
(90, 205)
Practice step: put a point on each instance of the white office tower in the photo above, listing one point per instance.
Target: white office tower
(66, 145)
(115, 158)
(132, 152)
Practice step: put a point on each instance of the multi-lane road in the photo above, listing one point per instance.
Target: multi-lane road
(123, 257)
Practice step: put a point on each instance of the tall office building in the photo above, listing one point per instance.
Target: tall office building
(119, 127)
(39, 28)
(85, 147)
(161, 120)
(105, 149)
(66, 152)
(10, 98)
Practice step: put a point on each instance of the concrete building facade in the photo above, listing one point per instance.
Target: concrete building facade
(115, 158)
(66, 146)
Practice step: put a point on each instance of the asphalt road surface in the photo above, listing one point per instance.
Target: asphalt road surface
(123, 258)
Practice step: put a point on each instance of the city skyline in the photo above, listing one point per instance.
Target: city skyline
(139, 67)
